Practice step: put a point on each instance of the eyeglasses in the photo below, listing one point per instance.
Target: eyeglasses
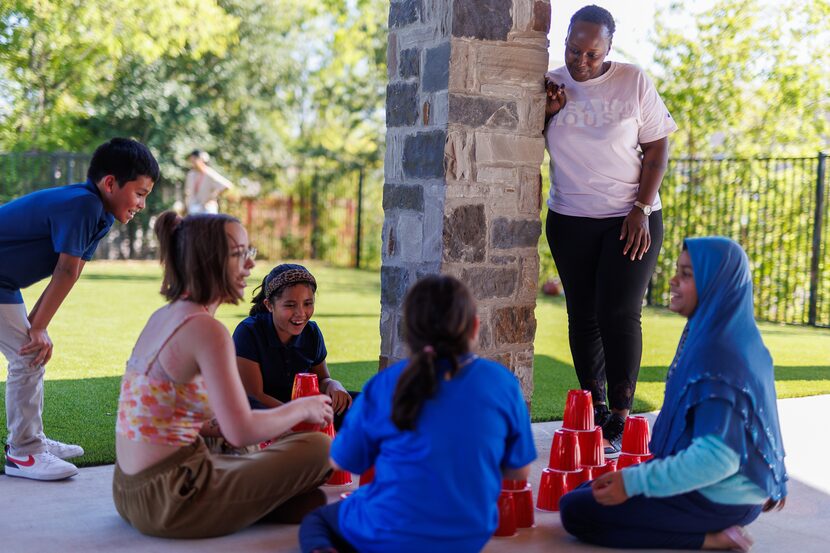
(244, 254)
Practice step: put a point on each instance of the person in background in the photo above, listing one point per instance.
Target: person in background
(203, 185)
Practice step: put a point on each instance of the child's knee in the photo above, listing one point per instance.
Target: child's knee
(572, 514)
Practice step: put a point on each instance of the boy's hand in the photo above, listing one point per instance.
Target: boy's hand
(39, 342)
(609, 489)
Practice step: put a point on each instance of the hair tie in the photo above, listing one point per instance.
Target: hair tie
(429, 350)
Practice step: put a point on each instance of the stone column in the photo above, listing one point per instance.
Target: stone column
(462, 193)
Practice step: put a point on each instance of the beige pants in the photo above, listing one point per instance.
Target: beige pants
(24, 384)
(194, 494)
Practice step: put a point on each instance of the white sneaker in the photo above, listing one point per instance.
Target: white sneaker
(40, 466)
(62, 450)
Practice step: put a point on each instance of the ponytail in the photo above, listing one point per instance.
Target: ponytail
(259, 299)
(168, 229)
(439, 320)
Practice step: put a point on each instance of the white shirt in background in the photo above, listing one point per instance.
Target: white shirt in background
(201, 190)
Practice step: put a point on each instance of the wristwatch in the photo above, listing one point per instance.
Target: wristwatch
(645, 207)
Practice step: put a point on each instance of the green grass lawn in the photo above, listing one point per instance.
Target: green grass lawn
(96, 328)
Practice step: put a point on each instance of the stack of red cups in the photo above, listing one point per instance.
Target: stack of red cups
(635, 440)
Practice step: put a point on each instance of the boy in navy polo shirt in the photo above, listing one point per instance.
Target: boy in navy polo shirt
(54, 232)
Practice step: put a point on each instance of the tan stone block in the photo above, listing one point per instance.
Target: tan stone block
(503, 91)
(460, 66)
(523, 369)
(530, 183)
(509, 63)
(458, 155)
(494, 148)
(529, 278)
(532, 114)
(497, 175)
(522, 15)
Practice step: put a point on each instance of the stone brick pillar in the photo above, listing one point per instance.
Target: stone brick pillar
(462, 193)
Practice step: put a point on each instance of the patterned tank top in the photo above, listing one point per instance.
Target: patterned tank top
(157, 410)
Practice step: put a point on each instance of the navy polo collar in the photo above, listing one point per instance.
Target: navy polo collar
(274, 341)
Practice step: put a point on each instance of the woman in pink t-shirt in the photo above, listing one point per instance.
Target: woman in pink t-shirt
(607, 133)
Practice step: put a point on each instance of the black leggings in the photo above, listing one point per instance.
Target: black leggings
(604, 294)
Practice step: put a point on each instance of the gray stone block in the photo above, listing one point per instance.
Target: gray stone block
(403, 197)
(404, 13)
(482, 19)
(505, 233)
(489, 282)
(436, 73)
(464, 234)
(401, 104)
(477, 111)
(410, 63)
(394, 282)
(423, 154)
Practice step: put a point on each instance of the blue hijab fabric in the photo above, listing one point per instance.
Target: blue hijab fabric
(724, 357)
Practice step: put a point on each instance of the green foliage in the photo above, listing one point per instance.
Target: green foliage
(747, 77)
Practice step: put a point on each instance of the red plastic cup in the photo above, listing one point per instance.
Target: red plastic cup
(339, 478)
(579, 411)
(564, 450)
(577, 477)
(635, 436)
(305, 384)
(523, 502)
(552, 486)
(513, 485)
(627, 459)
(507, 515)
(597, 471)
(591, 450)
(367, 477)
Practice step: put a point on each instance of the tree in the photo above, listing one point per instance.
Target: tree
(739, 81)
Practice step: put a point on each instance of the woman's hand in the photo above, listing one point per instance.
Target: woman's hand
(315, 409)
(635, 233)
(340, 398)
(555, 98)
(609, 489)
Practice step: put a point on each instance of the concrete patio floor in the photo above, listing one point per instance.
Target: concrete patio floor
(78, 514)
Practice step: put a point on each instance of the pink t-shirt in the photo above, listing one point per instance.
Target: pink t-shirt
(593, 141)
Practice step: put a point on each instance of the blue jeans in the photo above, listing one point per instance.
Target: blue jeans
(320, 531)
(677, 522)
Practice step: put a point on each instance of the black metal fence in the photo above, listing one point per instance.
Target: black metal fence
(776, 208)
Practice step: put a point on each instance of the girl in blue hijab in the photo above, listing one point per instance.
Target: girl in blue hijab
(718, 456)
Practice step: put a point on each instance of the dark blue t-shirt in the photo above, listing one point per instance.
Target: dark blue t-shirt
(435, 488)
(35, 229)
(256, 340)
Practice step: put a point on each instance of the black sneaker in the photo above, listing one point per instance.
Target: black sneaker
(601, 414)
(612, 431)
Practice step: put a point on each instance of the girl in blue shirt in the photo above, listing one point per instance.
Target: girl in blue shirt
(441, 428)
(718, 456)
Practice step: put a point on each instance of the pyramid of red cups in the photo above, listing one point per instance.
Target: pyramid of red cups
(577, 455)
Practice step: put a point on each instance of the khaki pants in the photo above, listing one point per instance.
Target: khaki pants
(24, 384)
(194, 494)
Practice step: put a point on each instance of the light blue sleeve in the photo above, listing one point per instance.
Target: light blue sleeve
(707, 460)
